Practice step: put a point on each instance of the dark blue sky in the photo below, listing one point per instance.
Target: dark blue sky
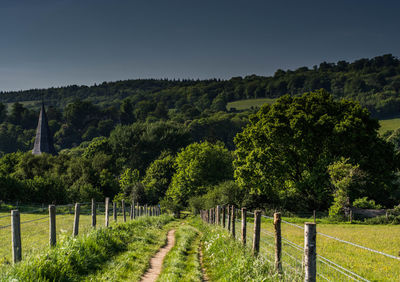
(61, 42)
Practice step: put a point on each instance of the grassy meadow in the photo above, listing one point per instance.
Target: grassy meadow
(371, 266)
(389, 124)
(247, 104)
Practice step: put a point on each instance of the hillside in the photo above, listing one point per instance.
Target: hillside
(375, 83)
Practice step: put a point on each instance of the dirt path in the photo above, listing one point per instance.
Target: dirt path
(203, 270)
(156, 262)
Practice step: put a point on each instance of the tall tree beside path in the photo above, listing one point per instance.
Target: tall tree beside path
(283, 154)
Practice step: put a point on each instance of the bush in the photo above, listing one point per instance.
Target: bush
(364, 203)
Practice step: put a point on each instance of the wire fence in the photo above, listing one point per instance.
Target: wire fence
(35, 225)
(337, 259)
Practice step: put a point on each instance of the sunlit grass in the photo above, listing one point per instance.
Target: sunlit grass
(369, 265)
(247, 104)
(389, 124)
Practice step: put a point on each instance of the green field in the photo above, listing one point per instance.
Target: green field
(247, 104)
(389, 124)
(372, 266)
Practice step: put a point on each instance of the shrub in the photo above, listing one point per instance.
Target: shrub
(364, 203)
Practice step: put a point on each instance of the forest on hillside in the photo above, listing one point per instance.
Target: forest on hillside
(174, 142)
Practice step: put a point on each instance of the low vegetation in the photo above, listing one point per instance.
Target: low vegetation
(86, 257)
(182, 262)
(226, 259)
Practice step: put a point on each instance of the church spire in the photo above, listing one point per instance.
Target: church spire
(44, 138)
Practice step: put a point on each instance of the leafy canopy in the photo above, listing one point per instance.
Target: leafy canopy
(283, 154)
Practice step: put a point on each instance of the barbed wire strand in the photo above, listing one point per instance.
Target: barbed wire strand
(33, 220)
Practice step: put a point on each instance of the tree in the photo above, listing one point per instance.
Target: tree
(283, 154)
(199, 166)
(158, 177)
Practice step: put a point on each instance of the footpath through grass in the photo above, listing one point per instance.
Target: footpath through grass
(121, 252)
(182, 262)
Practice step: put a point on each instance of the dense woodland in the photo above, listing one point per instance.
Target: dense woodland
(174, 142)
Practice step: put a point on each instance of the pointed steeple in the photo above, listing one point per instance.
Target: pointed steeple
(44, 138)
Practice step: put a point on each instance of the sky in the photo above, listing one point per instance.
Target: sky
(52, 43)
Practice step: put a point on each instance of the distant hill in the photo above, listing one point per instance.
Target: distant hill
(375, 83)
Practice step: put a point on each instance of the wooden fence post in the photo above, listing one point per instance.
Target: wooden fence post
(257, 229)
(229, 217)
(146, 211)
(115, 211)
(76, 219)
(106, 221)
(223, 216)
(351, 216)
(93, 213)
(132, 214)
(52, 225)
(16, 236)
(123, 210)
(233, 224)
(310, 257)
(218, 215)
(244, 224)
(278, 242)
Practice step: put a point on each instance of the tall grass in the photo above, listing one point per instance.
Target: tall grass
(75, 258)
(182, 263)
(226, 259)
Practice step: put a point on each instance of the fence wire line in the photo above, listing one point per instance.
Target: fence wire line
(342, 241)
(3, 216)
(327, 261)
(5, 226)
(36, 219)
(359, 246)
(337, 268)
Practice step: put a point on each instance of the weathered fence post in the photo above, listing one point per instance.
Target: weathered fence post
(106, 221)
(257, 229)
(218, 215)
(146, 211)
(310, 257)
(278, 242)
(229, 217)
(123, 210)
(115, 211)
(351, 216)
(244, 223)
(52, 225)
(223, 216)
(132, 214)
(233, 224)
(76, 219)
(93, 213)
(16, 236)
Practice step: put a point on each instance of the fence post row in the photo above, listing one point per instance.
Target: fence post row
(278, 242)
(310, 257)
(93, 213)
(233, 224)
(106, 212)
(257, 229)
(16, 236)
(76, 219)
(52, 225)
(244, 226)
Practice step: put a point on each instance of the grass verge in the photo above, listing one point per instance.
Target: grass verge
(182, 262)
(77, 259)
(225, 259)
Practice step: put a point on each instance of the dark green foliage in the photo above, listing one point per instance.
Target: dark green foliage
(283, 154)
(198, 167)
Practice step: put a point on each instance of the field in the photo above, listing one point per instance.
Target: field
(372, 266)
(389, 124)
(247, 104)
(35, 231)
